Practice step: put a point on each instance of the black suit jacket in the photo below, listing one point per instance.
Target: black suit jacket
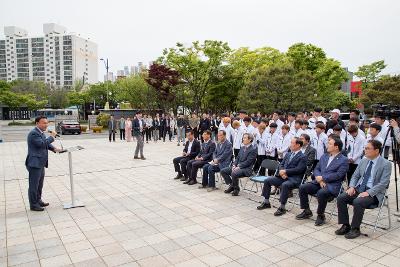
(136, 126)
(246, 158)
(207, 150)
(310, 156)
(195, 150)
(295, 168)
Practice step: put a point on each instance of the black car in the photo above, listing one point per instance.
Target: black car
(69, 126)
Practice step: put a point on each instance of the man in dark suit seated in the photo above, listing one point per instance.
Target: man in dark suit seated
(241, 167)
(37, 160)
(309, 152)
(192, 148)
(221, 159)
(290, 175)
(205, 155)
(327, 180)
(367, 187)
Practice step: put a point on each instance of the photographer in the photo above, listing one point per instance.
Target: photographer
(396, 130)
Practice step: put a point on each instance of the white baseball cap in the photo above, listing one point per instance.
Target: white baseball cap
(335, 111)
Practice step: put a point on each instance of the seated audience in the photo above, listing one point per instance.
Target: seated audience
(222, 157)
(241, 167)
(367, 187)
(326, 181)
(289, 176)
(192, 148)
(206, 151)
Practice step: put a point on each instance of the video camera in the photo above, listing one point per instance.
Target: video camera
(387, 111)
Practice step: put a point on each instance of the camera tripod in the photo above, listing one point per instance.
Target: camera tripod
(396, 161)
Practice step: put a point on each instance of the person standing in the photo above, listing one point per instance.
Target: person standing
(128, 129)
(138, 126)
(112, 126)
(156, 128)
(37, 160)
(205, 124)
(148, 128)
(122, 128)
(181, 126)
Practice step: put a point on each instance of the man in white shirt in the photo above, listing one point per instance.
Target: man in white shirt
(316, 118)
(356, 122)
(374, 130)
(284, 141)
(298, 131)
(225, 125)
(260, 142)
(291, 120)
(320, 141)
(380, 120)
(272, 144)
(355, 149)
(248, 128)
(277, 120)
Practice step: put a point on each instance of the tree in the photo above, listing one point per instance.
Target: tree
(386, 91)
(370, 73)
(327, 72)
(136, 91)
(15, 101)
(163, 79)
(196, 65)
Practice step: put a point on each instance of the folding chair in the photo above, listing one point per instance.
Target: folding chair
(333, 200)
(295, 195)
(385, 202)
(267, 164)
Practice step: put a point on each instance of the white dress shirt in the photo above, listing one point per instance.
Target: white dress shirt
(355, 148)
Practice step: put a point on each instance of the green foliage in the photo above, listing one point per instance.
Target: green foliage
(102, 119)
(386, 90)
(136, 91)
(197, 66)
(370, 73)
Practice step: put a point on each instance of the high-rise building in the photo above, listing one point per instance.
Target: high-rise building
(110, 77)
(126, 70)
(57, 58)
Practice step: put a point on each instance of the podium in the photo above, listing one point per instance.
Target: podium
(74, 202)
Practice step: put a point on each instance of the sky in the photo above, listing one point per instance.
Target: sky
(355, 32)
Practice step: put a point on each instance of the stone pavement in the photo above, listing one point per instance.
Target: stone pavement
(137, 215)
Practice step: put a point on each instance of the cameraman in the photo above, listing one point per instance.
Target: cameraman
(381, 120)
(396, 130)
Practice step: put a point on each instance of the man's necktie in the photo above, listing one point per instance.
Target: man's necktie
(291, 156)
(362, 187)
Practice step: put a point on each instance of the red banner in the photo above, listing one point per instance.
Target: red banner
(356, 87)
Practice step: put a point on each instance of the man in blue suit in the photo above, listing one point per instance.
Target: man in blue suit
(242, 166)
(290, 175)
(221, 159)
(327, 180)
(37, 160)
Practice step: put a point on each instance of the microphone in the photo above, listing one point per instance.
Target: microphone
(57, 135)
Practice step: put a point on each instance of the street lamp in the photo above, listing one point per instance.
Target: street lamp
(105, 61)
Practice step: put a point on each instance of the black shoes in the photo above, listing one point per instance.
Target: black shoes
(186, 181)
(202, 186)
(353, 233)
(37, 208)
(135, 157)
(343, 230)
(43, 204)
(306, 214)
(229, 190)
(210, 189)
(280, 212)
(320, 220)
(183, 178)
(192, 182)
(264, 206)
(142, 158)
(235, 193)
(178, 176)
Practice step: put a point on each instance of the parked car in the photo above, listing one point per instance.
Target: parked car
(68, 126)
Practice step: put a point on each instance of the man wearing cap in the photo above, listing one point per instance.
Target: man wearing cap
(334, 120)
(312, 122)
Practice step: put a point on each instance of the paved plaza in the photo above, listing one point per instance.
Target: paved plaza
(137, 215)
